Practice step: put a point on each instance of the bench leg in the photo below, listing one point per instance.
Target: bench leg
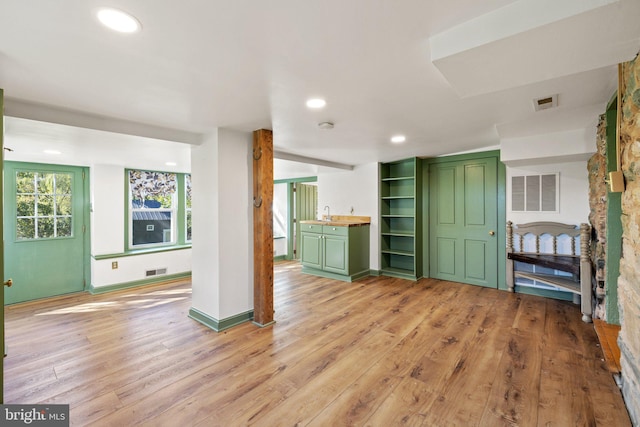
(510, 278)
(585, 289)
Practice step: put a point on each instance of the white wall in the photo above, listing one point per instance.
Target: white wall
(556, 147)
(236, 222)
(565, 153)
(222, 257)
(357, 189)
(108, 235)
(205, 258)
(107, 209)
(106, 154)
(132, 268)
(573, 197)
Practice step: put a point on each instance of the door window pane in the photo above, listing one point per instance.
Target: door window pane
(26, 228)
(45, 228)
(63, 227)
(25, 182)
(63, 183)
(26, 205)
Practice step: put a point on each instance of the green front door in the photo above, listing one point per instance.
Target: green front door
(44, 229)
(463, 201)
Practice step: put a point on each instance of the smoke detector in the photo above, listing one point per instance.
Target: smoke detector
(545, 103)
(325, 125)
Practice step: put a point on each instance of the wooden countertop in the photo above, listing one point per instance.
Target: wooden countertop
(340, 221)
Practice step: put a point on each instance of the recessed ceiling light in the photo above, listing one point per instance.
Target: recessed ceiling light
(118, 20)
(52, 152)
(397, 139)
(171, 163)
(316, 103)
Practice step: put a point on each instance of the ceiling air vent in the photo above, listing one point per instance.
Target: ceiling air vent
(545, 103)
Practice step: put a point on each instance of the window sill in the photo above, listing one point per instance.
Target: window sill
(145, 251)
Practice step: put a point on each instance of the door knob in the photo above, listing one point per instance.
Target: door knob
(491, 233)
(8, 282)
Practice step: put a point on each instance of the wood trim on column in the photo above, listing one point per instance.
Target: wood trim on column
(263, 227)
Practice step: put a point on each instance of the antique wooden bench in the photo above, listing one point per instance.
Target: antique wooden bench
(579, 266)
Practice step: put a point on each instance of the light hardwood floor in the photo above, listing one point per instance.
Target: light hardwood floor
(377, 352)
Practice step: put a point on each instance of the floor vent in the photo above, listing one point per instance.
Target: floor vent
(156, 272)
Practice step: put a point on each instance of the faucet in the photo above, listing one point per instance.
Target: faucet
(326, 208)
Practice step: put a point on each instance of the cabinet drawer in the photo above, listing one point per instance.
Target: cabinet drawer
(335, 231)
(311, 228)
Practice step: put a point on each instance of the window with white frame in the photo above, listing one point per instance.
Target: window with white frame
(535, 193)
(152, 208)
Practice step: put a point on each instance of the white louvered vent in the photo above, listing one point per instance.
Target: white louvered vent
(156, 272)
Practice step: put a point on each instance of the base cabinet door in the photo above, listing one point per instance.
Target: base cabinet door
(311, 250)
(335, 254)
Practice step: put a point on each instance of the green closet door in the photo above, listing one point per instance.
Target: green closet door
(463, 221)
(44, 230)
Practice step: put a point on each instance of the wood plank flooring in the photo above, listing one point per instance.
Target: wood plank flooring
(377, 352)
(608, 337)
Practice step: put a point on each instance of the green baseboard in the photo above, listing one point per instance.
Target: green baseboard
(375, 273)
(220, 325)
(328, 275)
(137, 252)
(152, 281)
(279, 258)
(391, 273)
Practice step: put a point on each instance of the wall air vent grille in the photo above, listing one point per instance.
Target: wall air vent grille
(156, 272)
(545, 103)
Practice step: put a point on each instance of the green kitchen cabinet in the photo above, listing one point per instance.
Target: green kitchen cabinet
(335, 251)
(311, 243)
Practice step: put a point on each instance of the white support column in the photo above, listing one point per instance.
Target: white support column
(222, 253)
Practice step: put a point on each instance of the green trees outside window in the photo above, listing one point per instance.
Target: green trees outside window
(43, 201)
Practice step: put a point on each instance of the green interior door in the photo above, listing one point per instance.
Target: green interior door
(306, 202)
(45, 243)
(2, 248)
(463, 217)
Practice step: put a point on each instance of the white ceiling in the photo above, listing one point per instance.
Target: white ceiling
(451, 75)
